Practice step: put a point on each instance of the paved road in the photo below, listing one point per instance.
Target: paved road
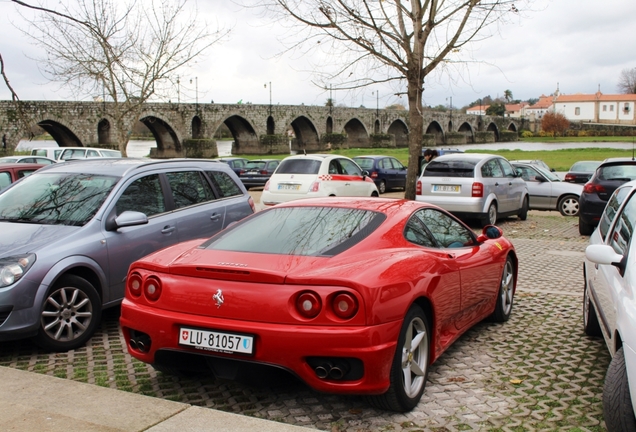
(538, 371)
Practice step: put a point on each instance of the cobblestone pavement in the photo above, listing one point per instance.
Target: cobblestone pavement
(538, 371)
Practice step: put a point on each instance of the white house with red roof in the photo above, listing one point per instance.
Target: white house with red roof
(477, 110)
(536, 111)
(597, 108)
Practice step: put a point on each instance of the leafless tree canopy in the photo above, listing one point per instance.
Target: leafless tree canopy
(627, 81)
(374, 41)
(127, 52)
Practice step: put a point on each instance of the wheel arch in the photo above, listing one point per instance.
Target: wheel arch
(80, 266)
(427, 307)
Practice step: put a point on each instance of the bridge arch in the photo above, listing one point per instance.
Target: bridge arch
(435, 129)
(512, 127)
(243, 132)
(306, 134)
(197, 127)
(492, 127)
(329, 125)
(271, 125)
(103, 132)
(357, 135)
(467, 130)
(61, 133)
(400, 133)
(164, 134)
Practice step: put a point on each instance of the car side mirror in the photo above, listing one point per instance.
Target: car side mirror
(126, 219)
(365, 173)
(605, 255)
(490, 232)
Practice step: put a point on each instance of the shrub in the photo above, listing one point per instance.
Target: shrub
(527, 134)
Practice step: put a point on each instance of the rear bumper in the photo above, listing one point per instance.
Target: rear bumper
(591, 208)
(473, 207)
(284, 346)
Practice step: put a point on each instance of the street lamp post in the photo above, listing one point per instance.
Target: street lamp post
(270, 97)
(196, 88)
(178, 90)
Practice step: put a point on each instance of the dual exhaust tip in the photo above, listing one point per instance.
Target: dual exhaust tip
(334, 371)
(139, 341)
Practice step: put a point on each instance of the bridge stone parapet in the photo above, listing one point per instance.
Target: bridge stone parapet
(187, 130)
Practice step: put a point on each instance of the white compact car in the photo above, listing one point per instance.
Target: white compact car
(316, 175)
(609, 304)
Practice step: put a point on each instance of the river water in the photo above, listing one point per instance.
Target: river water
(135, 148)
(138, 148)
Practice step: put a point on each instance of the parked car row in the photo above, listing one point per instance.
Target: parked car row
(67, 153)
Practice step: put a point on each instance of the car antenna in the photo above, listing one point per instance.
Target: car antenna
(305, 152)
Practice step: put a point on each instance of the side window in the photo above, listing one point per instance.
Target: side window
(611, 208)
(508, 170)
(528, 174)
(189, 188)
(397, 164)
(386, 164)
(491, 169)
(350, 167)
(143, 195)
(5, 179)
(92, 153)
(624, 228)
(25, 173)
(447, 231)
(224, 183)
(416, 232)
(334, 167)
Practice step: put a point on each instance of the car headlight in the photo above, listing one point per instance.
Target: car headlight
(13, 268)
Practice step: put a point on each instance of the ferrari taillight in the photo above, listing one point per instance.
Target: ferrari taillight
(418, 188)
(308, 304)
(152, 288)
(134, 284)
(315, 186)
(344, 305)
(478, 190)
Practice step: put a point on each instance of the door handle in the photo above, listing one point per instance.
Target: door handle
(215, 217)
(167, 229)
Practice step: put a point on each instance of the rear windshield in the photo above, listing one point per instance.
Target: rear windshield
(255, 165)
(308, 231)
(364, 163)
(450, 168)
(617, 172)
(585, 166)
(111, 153)
(299, 166)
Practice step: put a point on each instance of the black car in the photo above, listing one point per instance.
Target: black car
(581, 171)
(257, 172)
(609, 175)
(387, 172)
(236, 163)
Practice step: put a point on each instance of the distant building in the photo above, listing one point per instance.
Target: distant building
(536, 111)
(597, 108)
(477, 110)
(516, 110)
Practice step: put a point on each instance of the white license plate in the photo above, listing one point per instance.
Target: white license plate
(445, 188)
(216, 341)
(288, 186)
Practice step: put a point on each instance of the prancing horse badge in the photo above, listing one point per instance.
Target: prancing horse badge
(218, 298)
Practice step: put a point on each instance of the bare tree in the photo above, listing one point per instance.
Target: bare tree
(386, 41)
(627, 81)
(128, 52)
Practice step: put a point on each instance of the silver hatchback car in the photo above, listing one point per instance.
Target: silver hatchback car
(71, 230)
(474, 185)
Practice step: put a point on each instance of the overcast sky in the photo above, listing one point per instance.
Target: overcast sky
(580, 45)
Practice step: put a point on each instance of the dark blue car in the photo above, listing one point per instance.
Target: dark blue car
(387, 172)
(236, 163)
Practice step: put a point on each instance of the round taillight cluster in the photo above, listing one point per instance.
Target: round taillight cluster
(134, 284)
(308, 304)
(152, 288)
(344, 305)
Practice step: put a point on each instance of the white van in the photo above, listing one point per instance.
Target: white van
(49, 152)
(69, 153)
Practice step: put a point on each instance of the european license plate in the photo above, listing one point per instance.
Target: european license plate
(216, 341)
(445, 188)
(288, 186)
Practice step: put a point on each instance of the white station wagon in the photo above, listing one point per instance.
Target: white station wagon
(316, 175)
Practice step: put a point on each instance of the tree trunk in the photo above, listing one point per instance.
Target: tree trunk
(416, 132)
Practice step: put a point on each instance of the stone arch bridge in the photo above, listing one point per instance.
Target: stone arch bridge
(187, 130)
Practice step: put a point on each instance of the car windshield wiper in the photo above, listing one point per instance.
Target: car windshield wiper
(624, 179)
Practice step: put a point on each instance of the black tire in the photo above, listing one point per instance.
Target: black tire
(569, 205)
(617, 403)
(374, 194)
(590, 320)
(382, 187)
(505, 294)
(70, 314)
(523, 212)
(409, 369)
(491, 216)
(585, 228)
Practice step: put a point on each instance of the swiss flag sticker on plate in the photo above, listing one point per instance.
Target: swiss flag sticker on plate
(184, 334)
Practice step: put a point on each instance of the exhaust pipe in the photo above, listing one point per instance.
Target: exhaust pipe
(139, 341)
(322, 371)
(339, 371)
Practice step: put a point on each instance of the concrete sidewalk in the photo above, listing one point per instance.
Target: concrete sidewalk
(36, 402)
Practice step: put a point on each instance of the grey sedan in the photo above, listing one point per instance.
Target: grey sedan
(548, 192)
(71, 230)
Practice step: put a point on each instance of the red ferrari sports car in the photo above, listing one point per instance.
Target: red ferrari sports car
(353, 296)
